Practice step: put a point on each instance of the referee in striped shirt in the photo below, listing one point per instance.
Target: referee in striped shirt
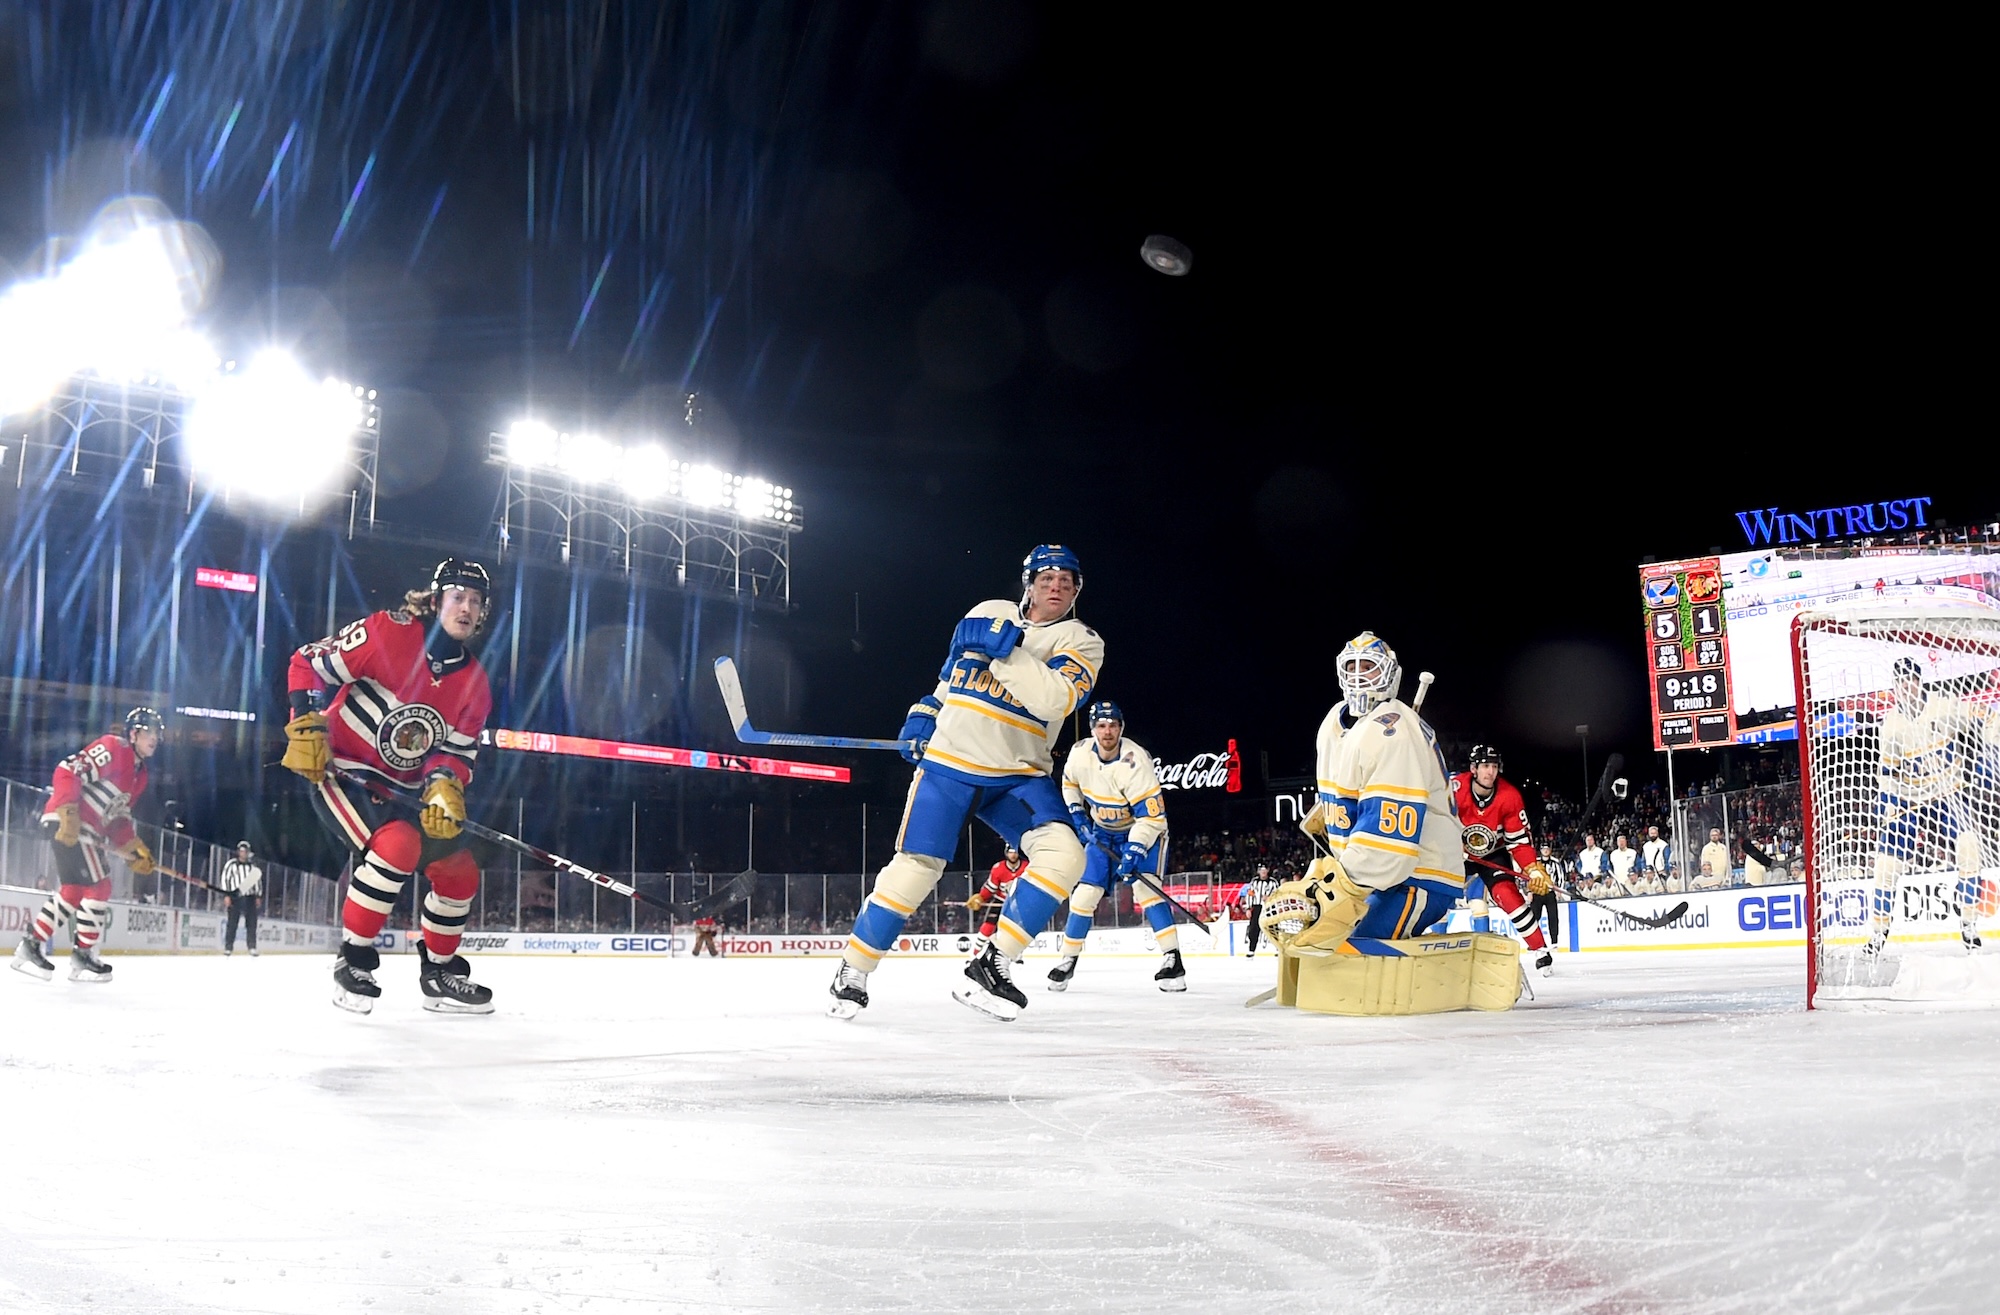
(242, 885)
(1255, 892)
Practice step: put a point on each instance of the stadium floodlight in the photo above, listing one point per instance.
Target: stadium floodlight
(271, 432)
(649, 474)
(705, 486)
(531, 444)
(118, 308)
(588, 459)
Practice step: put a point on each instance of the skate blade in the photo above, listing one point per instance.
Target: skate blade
(1174, 984)
(437, 1006)
(1059, 987)
(352, 1003)
(23, 966)
(1005, 1011)
(843, 1010)
(89, 977)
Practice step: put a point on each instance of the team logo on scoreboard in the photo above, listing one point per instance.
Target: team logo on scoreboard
(1663, 591)
(1704, 586)
(408, 734)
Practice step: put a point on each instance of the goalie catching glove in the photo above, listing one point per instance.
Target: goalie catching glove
(138, 858)
(1318, 910)
(1537, 879)
(444, 807)
(305, 746)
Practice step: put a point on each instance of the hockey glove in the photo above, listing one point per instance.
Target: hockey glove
(1079, 817)
(1130, 857)
(1538, 879)
(68, 825)
(988, 636)
(305, 748)
(916, 733)
(444, 807)
(137, 857)
(976, 903)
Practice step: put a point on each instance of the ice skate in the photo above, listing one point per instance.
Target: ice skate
(29, 959)
(85, 966)
(354, 987)
(1545, 963)
(849, 992)
(448, 989)
(1173, 974)
(1878, 940)
(1968, 932)
(1060, 974)
(990, 987)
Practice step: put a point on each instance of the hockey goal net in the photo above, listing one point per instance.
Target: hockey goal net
(1899, 753)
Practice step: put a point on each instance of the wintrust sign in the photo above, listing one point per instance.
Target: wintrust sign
(1772, 525)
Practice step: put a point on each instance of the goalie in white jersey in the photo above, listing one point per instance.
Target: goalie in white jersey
(1926, 781)
(983, 746)
(1397, 861)
(1114, 795)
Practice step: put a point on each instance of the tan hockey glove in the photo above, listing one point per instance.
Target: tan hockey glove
(69, 825)
(305, 749)
(976, 902)
(1341, 905)
(1538, 878)
(444, 807)
(138, 857)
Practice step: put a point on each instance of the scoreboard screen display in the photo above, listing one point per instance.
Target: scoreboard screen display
(1719, 629)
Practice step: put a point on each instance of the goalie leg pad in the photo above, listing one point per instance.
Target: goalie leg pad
(906, 881)
(1424, 975)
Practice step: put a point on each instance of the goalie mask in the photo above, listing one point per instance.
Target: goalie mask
(1369, 673)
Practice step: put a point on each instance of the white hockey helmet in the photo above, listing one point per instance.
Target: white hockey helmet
(1369, 672)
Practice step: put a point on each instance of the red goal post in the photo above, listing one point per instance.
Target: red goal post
(1926, 872)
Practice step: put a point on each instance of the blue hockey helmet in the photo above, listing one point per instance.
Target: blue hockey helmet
(144, 719)
(1106, 710)
(1051, 557)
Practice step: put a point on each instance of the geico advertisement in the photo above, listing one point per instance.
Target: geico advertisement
(1766, 915)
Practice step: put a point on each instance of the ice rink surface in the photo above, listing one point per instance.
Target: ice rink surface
(1657, 1132)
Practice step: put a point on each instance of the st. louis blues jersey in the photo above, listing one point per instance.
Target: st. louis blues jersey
(1387, 798)
(1921, 761)
(1123, 795)
(998, 718)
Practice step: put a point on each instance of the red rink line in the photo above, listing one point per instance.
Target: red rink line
(1501, 1243)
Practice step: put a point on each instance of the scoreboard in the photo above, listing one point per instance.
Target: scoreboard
(1687, 643)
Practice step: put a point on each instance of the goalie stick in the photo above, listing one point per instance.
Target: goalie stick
(737, 889)
(739, 717)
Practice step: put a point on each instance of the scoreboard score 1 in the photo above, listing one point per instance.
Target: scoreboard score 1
(1687, 641)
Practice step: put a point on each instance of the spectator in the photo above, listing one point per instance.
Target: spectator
(1714, 862)
(1653, 854)
(1590, 859)
(1624, 859)
(242, 884)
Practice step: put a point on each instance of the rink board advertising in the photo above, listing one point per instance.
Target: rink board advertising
(1763, 589)
(1687, 643)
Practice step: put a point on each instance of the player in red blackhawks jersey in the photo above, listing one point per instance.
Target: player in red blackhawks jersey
(397, 698)
(90, 810)
(992, 897)
(1501, 851)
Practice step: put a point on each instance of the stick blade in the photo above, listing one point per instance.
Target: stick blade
(732, 699)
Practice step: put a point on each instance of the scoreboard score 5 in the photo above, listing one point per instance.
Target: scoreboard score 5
(1687, 635)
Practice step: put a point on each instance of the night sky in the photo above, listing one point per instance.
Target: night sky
(1466, 337)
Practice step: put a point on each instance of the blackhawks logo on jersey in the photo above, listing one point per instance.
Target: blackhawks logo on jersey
(408, 734)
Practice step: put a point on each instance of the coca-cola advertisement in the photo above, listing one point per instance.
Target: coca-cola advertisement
(1204, 771)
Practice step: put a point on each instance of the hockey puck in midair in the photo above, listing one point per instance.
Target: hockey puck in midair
(1166, 255)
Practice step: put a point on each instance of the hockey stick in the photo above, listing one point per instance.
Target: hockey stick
(1194, 919)
(535, 852)
(1666, 919)
(739, 717)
